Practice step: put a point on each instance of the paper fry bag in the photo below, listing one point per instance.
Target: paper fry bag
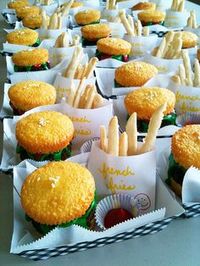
(125, 174)
(63, 85)
(176, 18)
(187, 99)
(141, 44)
(87, 121)
(163, 65)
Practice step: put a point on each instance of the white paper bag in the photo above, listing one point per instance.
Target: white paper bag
(141, 44)
(187, 99)
(176, 18)
(63, 85)
(111, 15)
(125, 174)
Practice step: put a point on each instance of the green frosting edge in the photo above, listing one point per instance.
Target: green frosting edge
(95, 22)
(98, 54)
(56, 156)
(37, 43)
(82, 221)
(175, 171)
(44, 66)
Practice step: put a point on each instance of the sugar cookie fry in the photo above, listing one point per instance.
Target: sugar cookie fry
(67, 7)
(84, 96)
(168, 39)
(154, 125)
(79, 72)
(103, 139)
(194, 19)
(60, 22)
(181, 6)
(131, 22)
(173, 6)
(113, 137)
(123, 144)
(177, 48)
(139, 28)
(182, 75)
(125, 22)
(78, 93)
(90, 98)
(196, 81)
(75, 40)
(98, 101)
(53, 23)
(91, 66)
(161, 48)
(188, 69)
(131, 130)
(108, 4)
(76, 58)
(84, 70)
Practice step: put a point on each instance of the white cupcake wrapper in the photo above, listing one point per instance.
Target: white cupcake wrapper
(188, 118)
(86, 147)
(113, 202)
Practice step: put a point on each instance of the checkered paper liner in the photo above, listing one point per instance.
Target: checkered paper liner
(42, 254)
(191, 210)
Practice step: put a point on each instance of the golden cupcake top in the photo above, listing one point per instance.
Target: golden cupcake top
(27, 10)
(30, 57)
(44, 132)
(95, 31)
(144, 6)
(186, 146)
(32, 21)
(17, 4)
(87, 16)
(190, 39)
(29, 94)
(151, 16)
(144, 101)
(134, 74)
(58, 192)
(22, 37)
(113, 46)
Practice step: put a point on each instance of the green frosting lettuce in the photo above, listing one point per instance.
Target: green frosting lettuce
(175, 171)
(42, 66)
(56, 156)
(95, 22)
(82, 221)
(151, 23)
(37, 43)
(101, 56)
(169, 119)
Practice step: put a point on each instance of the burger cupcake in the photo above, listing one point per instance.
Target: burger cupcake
(32, 21)
(26, 95)
(92, 33)
(58, 194)
(26, 11)
(134, 74)
(31, 60)
(185, 152)
(89, 16)
(44, 135)
(144, 6)
(23, 37)
(151, 17)
(113, 48)
(76, 4)
(145, 101)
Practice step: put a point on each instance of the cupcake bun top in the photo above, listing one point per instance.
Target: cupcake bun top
(30, 57)
(144, 6)
(134, 74)
(186, 146)
(27, 10)
(189, 39)
(87, 16)
(76, 4)
(113, 46)
(151, 16)
(144, 101)
(95, 31)
(22, 37)
(32, 21)
(29, 94)
(17, 4)
(44, 132)
(57, 193)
